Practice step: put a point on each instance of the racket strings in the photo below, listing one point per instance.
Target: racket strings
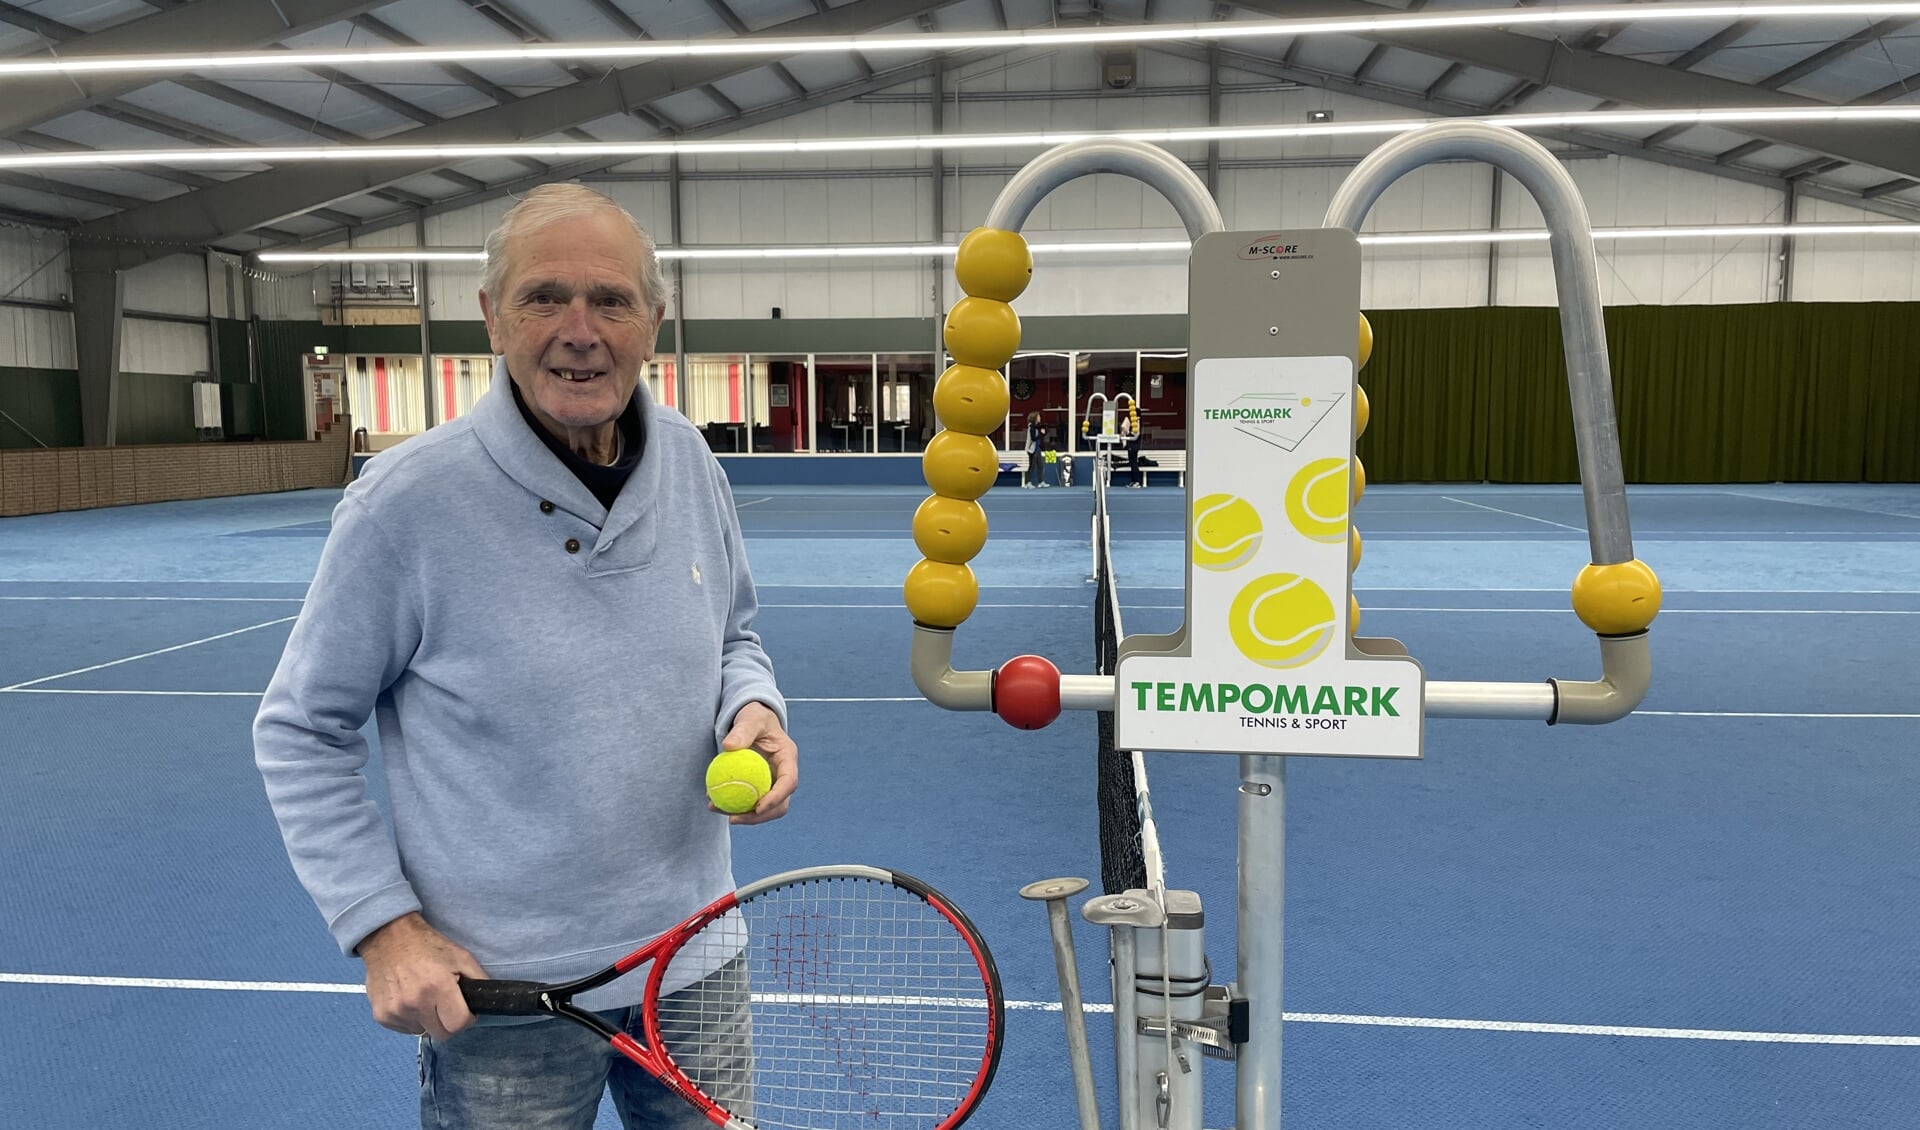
(831, 1003)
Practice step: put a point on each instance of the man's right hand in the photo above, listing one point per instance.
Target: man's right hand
(413, 978)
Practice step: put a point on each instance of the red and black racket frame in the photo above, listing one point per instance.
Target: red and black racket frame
(533, 998)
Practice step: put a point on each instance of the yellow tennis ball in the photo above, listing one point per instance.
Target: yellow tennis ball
(995, 264)
(1359, 478)
(952, 530)
(1362, 411)
(971, 399)
(1226, 532)
(959, 465)
(982, 332)
(1281, 620)
(1317, 500)
(1366, 342)
(1618, 599)
(737, 779)
(940, 594)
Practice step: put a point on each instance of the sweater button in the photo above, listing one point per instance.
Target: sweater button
(546, 507)
(573, 545)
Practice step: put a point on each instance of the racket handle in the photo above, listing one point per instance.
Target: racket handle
(505, 998)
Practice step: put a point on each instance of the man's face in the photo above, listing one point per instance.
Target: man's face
(571, 320)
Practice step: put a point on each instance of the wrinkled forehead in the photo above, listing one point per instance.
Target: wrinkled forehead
(592, 247)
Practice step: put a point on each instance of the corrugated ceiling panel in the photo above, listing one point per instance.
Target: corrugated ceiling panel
(89, 15)
(48, 204)
(755, 89)
(1406, 70)
(1774, 46)
(675, 19)
(221, 117)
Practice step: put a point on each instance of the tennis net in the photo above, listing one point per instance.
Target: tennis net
(1129, 843)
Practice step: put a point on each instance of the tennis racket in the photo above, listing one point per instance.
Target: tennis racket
(818, 999)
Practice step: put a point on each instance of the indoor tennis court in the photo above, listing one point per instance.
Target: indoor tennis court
(1346, 563)
(1691, 918)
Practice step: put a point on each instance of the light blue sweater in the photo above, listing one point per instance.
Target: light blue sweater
(545, 714)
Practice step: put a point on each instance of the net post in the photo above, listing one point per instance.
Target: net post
(1261, 925)
(1170, 979)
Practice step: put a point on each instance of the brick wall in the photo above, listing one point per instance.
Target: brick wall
(40, 481)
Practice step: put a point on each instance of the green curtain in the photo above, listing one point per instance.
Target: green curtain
(1797, 392)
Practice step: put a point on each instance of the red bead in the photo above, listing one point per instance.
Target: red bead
(1026, 692)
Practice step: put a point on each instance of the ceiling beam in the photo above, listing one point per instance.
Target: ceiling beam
(884, 80)
(208, 25)
(246, 202)
(1605, 143)
(1894, 146)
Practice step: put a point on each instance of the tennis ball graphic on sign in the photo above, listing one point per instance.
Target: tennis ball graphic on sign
(1317, 500)
(1226, 532)
(1281, 620)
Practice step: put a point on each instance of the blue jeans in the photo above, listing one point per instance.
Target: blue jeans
(550, 1074)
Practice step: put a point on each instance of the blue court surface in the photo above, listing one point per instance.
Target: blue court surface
(1701, 917)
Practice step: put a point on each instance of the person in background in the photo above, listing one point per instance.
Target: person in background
(1036, 443)
(545, 607)
(1132, 435)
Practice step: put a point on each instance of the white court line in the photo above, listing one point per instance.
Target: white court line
(922, 698)
(179, 983)
(894, 586)
(150, 694)
(752, 502)
(1521, 1026)
(180, 599)
(1756, 714)
(150, 654)
(1405, 608)
(1510, 514)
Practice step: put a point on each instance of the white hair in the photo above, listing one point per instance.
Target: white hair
(551, 202)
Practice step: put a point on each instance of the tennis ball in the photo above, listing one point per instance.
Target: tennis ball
(993, 264)
(737, 779)
(1226, 532)
(971, 399)
(982, 333)
(1317, 500)
(1281, 620)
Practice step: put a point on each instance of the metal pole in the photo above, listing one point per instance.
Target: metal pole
(1575, 272)
(1055, 893)
(680, 380)
(1262, 916)
(429, 388)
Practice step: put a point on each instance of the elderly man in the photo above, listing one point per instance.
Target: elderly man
(546, 607)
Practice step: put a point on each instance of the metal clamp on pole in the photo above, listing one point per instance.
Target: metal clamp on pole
(1617, 596)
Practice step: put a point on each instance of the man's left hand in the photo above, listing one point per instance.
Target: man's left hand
(758, 727)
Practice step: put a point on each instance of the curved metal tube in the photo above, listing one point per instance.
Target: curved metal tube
(1625, 662)
(1575, 272)
(932, 652)
(1146, 163)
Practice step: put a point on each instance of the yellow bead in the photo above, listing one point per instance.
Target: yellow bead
(1359, 479)
(940, 595)
(1353, 549)
(959, 465)
(1362, 411)
(970, 399)
(993, 264)
(1366, 342)
(952, 530)
(1617, 600)
(982, 332)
